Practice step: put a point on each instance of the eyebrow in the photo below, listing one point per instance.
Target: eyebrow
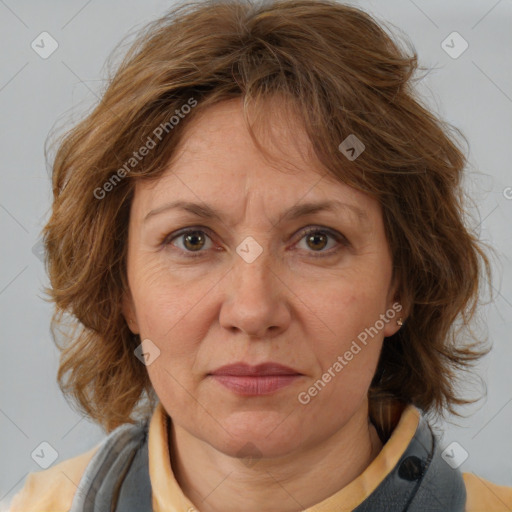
(206, 211)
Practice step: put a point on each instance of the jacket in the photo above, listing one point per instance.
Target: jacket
(130, 471)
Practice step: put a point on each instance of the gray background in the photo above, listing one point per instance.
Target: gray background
(473, 91)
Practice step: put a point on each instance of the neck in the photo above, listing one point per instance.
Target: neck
(216, 482)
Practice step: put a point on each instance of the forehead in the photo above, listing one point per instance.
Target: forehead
(219, 135)
(217, 162)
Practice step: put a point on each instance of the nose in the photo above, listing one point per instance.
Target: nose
(256, 298)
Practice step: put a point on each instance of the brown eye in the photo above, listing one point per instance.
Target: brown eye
(317, 240)
(193, 241)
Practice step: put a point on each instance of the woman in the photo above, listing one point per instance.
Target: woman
(259, 232)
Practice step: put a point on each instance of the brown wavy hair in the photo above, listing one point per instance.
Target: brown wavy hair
(333, 68)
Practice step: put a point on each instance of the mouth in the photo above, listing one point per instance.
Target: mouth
(247, 380)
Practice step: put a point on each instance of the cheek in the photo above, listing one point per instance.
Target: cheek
(345, 341)
(161, 298)
(345, 308)
(346, 361)
(168, 320)
(173, 314)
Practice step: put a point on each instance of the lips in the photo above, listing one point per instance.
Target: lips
(264, 369)
(263, 379)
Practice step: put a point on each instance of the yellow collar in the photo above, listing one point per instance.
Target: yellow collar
(168, 496)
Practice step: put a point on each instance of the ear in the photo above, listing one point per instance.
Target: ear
(395, 309)
(128, 310)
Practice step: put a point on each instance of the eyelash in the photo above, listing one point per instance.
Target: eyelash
(306, 231)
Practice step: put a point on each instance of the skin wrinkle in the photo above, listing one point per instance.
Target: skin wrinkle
(286, 306)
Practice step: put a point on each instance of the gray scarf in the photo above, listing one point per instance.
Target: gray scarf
(117, 477)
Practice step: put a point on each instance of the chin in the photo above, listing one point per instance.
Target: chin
(250, 448)
(268, 434)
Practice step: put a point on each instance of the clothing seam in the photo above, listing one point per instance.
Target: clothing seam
(425, 469)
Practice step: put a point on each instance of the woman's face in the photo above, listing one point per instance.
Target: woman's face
(249, 285)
